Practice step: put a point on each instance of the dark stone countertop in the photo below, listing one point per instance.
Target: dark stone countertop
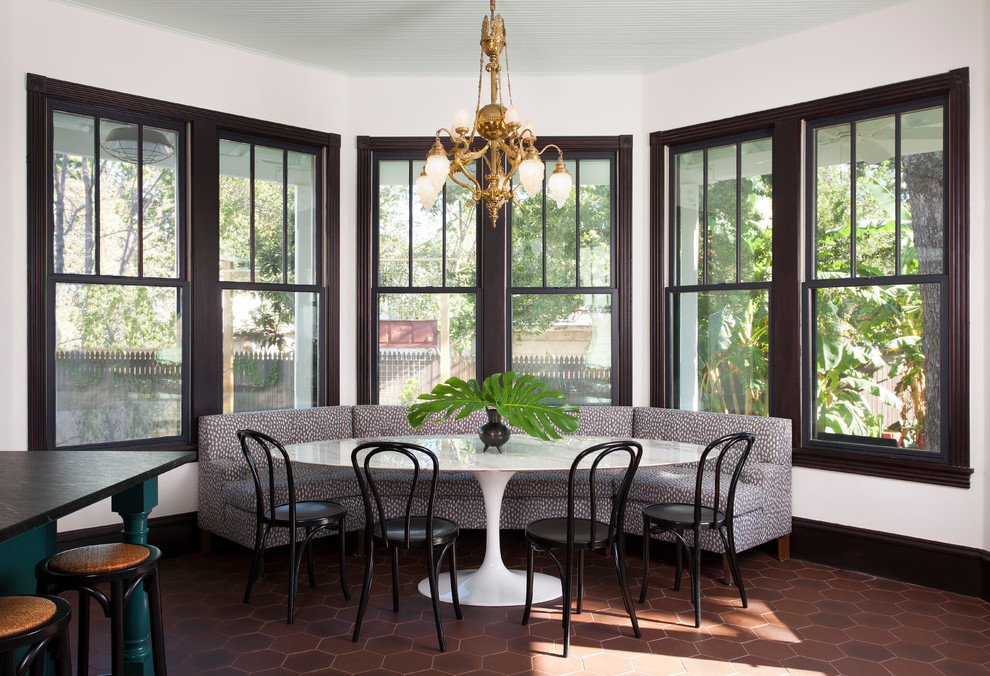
(37, 487)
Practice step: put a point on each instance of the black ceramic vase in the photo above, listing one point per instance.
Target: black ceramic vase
(493, 433)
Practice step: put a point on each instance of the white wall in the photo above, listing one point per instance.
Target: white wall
(917, 39)
(926, 37)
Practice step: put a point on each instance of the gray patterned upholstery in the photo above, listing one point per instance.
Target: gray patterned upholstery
(226, 493)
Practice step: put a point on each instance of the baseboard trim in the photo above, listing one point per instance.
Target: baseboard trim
(954, 568)
(175, 535)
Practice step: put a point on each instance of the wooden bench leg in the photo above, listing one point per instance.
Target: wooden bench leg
(784, 547)
(727, 571)
(205, 542)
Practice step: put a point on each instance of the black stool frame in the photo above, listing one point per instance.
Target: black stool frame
(123, 584)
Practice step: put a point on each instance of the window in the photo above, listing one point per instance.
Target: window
(540, 292)
(119, 293)
(181, 263)
(850, 315)
(877, 291)
(721, 269)
(426, 283)
(269, 222)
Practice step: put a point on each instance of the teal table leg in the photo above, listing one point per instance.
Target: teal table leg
(18, 556)
(134, 505)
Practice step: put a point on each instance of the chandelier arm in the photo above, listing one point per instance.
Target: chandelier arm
(453, 177)
(560, 153)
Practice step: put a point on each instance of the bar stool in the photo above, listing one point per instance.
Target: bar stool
(34, 622)
(124, 566)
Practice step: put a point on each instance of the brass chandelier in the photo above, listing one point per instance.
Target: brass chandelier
(510, 144)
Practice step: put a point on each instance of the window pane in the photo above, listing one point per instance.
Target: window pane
(722, 215)
(393, 223)
(566, 340)
(595, 194)
(561, 234)
(118, 363)
(427, 239)
(689, 202)
(462, 237)
(119, 206)
(73, 141)
(527, 238)
(269, 210)
(270, 358)
(721, 351)
(756, 196)
(833, 200)
(878, 379)
(235, 211)
(161, 218)
(302, 219)
(875, 197)
(423, 339)
(922, 192)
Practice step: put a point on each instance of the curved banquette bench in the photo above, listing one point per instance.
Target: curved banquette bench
(226, 492)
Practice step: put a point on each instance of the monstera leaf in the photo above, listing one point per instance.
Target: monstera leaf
(519, 399)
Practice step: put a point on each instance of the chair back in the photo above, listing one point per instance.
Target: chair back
(633, 453)
(732, 452)
(272, 454)
(388, 479)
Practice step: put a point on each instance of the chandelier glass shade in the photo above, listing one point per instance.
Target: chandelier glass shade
(509, 143)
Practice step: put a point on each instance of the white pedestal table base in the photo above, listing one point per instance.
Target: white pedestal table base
(493, 584)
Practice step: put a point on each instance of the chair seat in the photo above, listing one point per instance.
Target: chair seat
(552, 532)
(20, 614)
(307, 513)
(681, 516)
(444, 531)
(98, 559)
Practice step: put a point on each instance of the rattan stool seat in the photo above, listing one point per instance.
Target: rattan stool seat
(36, 627)
(96, 559)
(19, 614)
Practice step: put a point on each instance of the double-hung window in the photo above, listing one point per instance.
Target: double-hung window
(545, 290)
(270, 226)
(721, 269)
(116, 279)
(181, 262)
(877, 291)
(850, 314)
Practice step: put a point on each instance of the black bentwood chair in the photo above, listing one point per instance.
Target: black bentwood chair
(579, 534)
(390, 495)
(703, 514)
(312, 516)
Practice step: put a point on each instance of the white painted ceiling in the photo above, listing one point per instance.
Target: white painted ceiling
(440, 37)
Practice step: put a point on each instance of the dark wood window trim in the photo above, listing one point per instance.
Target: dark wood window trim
(203, 315)
(787, 394)
(493, 266)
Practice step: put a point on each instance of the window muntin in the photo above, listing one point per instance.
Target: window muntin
(272, 308)
(115, 238)
(878, 297)
(426, 283)
(721, 234)
(562, 291)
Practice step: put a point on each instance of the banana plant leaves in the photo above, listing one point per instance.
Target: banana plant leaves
(520, 399)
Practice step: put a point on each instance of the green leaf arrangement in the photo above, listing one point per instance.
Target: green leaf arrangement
(516, 397)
